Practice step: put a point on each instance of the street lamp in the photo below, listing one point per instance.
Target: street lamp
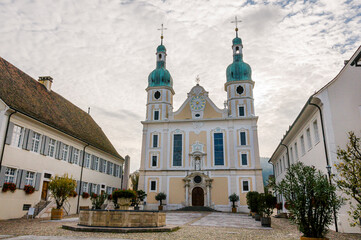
(328, 167)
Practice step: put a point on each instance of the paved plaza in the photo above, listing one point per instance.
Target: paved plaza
(193, 225)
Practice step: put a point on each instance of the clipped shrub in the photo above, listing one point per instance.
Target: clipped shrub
(160, 197)
(233, 198)
(252, 201)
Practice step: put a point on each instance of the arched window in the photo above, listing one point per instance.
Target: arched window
(160, 56)
(237, 50)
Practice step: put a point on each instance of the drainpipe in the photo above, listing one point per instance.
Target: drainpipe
(81, 178)
(6, 135)
(326, 154)
(288, 155)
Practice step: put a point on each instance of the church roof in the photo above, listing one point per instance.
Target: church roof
(26, 95)
(238, 70)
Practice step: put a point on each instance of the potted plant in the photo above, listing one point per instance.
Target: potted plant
(98, 200)
(123, 198)
(60, 188)
(85, 195)
(29, 189)
(234, 198)
(9, 186)
(160, 197)
(252, 202)
(312, 196)
(140, 198)
(267, 203)
(73, 194)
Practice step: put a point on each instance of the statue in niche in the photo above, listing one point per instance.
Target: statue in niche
(197, 164)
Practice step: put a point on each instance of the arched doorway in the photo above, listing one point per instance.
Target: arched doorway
(197, 196)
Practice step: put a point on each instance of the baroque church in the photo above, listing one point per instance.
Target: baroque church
(200, 154)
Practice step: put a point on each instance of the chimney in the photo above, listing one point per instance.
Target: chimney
(46, 81)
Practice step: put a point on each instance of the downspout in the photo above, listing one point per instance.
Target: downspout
(326, 154)
(6, 135)
(288, 155)
(81, 178)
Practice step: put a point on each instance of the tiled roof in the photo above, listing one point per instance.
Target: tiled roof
(26, 95)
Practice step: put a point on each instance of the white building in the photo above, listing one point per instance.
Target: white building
(200, 154)
(42, 135)
(322, 126)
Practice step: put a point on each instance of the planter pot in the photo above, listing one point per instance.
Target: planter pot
(257, 217)
(124, 203)
(312, 238)
(56, 214)
(234, 210)
(160, 208)
(266, 221)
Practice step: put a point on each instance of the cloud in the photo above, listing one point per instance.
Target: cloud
(101, 52)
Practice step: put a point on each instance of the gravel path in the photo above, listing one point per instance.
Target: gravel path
(194, 229)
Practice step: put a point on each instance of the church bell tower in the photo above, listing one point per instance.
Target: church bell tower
(160, 88)
(239, 85)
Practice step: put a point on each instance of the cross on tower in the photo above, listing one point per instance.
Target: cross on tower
(161, 36)
(198, 79)
(236, 22)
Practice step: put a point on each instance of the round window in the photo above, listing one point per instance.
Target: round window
(157, 95)
(240, 89)
(197, 115)
(197, 179)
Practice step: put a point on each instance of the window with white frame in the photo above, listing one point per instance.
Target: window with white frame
(30, 178)
(94, 188)
(245, 185)
(241, 111)
(65, 152)
(309, 141)
(51, 148)
(76, 156)
(156, 115)
(315, 131)
(17, 137)
(154, 160)
(104, 166)
(85, 187)
(87, 160)
(111, 167)
(96, 163)
(303, 148)
(36, 142)
(153, 185)
(291, 155)
(243, 138)
(117, 171)
(296, 151)
(109, 190)
(155, 141)
(10, 175)
(244, 158)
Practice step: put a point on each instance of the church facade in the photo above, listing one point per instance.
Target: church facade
(200, 154)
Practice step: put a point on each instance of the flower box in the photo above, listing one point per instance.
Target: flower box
(9, 186)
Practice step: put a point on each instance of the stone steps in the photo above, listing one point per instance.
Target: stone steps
(197, 209)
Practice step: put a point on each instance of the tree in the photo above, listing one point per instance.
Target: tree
(312, 199)
(61, 188)
(267, 202)
(233, 198)
(160, 197)
(252, 201)
(134, 178)
(349, 175)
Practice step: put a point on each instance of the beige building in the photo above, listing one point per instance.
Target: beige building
(200, 154)
(42, 135)
(322, 126)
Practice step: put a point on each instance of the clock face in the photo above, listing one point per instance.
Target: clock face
(198, 103)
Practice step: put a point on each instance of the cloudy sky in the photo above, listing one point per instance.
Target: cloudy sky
(101, 52)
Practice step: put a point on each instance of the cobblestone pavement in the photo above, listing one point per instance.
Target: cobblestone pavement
(193, 226)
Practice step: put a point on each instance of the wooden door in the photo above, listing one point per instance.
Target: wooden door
(44, 192)
(197, 196)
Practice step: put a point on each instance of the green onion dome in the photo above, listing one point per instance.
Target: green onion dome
(160, 77)
(238, 70)
(236, 41)
(161, 48)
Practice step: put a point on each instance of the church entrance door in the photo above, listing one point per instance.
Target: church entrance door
(197, 196)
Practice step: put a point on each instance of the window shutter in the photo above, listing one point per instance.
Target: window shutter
(30, 140)
(70, 154)
(9, 133)
(101, 165)
(61, 145)
(108, 168)
(115, 170)
(42, 146)
(18, 178)
(92, 162)
(26, 138)
(77, 187)
(57, 149)
(46, 147)
(90, 185)
(98, 188)
(37, 181)
(81, 158)
(121, 171)
(108, 190)
(2, 176)
(23, 178)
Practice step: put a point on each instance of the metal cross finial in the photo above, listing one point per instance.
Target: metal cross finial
(236, 21)
(161, 36)
(198, 79)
